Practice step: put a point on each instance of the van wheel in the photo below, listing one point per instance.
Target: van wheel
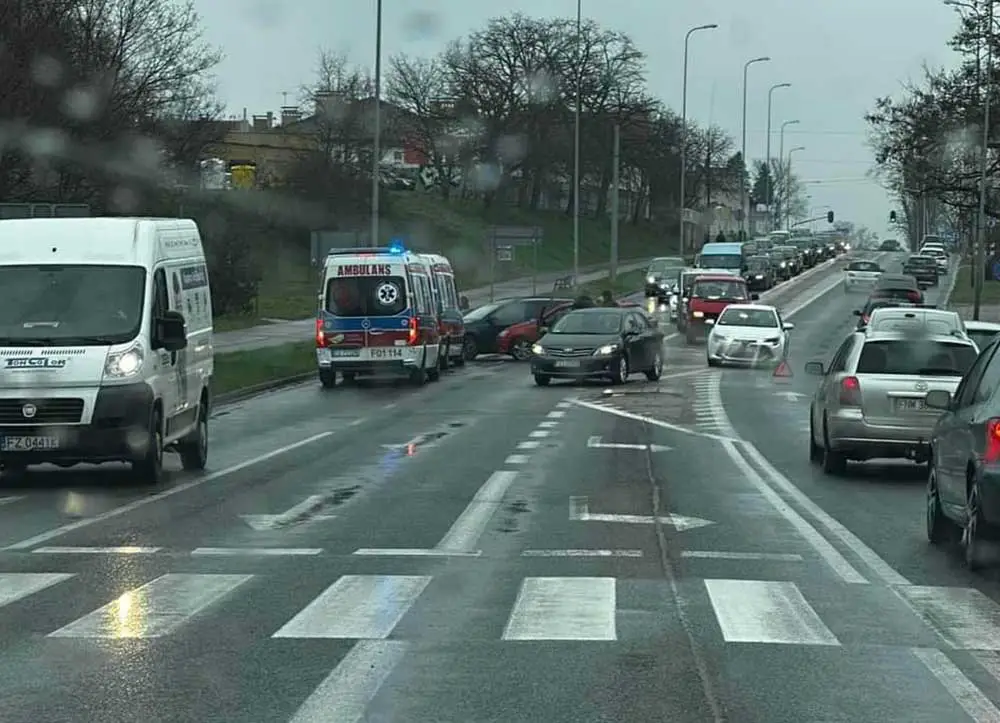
(418, 377)
(443, 358)
(434, 372)
(149, 469)
(328, 378)
(193, 449)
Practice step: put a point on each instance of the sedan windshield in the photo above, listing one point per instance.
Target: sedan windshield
(761, 318)
(589, 322)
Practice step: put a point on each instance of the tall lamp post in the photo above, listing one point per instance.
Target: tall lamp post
(684, 105)
(576, 148)
(377, 140)
(977, 267)
(767, 152)
(743, 153)
(788, 188)
(775, 218)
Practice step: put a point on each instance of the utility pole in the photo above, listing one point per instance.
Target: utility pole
(377, 140)
(978, 267)
(615, 200)
(576, 147)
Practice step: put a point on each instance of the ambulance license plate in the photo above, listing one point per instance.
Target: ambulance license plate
(386, 352)
(28, 444)
(345, 352)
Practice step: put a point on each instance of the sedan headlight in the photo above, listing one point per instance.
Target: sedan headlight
(697, 314)
(650, 279)
(537, 349)
(124, 364)
(783, 264)
(773, 341)
(606, 350)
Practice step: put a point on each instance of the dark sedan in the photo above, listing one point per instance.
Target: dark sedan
(923, 268)
(759, 273)
(599, 343)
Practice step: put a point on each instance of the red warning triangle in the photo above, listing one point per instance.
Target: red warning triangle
(783, 370)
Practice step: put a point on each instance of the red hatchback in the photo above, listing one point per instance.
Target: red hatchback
(517, 339)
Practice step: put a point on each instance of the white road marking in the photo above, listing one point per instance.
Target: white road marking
(38, 539)
(547, 424)
(345, 694)
(582, 553)
(540, 433)
(154, 609)
(357, 422)
(966, 694)
(828, 552)
(721, 555)
(529, 445)
(357, 606)
(580, 512)
(411, 552)
(296, 512)
(556, 414)
(757, 611)
(9, 500)
(256, 551)
(123, 550)
(966, 618)
(517, 459)
(17, 585)
(470, 525)
(596, 443)
(652, 421)
(563, 404)
(563, 608)
(880, 567)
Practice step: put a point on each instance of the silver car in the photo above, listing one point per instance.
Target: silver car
(872, 400)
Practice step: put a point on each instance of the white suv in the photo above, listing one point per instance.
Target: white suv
(914, 320)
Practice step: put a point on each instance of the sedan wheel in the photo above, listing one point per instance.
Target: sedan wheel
(939, 528)
(972, 534)
(656, 370)
(621, 372)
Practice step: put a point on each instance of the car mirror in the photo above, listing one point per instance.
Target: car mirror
(938, 399)
(788, 326)
(543, 330)
(171, 331)
(857, 312)
(815, 368)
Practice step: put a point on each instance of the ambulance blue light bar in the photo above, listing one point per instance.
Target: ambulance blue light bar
(396, 247)
(367, 251)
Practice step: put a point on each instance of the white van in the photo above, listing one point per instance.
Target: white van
(105, 343)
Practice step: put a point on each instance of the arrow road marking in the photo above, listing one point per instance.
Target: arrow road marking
(792, 396)
(580, 512)
(596, 443)
(302, 512)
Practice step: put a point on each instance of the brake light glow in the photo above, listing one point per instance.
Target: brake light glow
(913, 296)
(850, 392)
(992, 454)
(414, 331)
(320, 335)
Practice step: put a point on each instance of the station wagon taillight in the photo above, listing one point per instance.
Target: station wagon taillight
(320, 335)
(992, 453)
(850, 392)
(414, 331)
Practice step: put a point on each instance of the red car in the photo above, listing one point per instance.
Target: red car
(710, 294)
(517, 339)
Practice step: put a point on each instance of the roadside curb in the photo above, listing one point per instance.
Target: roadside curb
(239, 395)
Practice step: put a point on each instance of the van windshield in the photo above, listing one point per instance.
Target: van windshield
(79, 305)
(721, 261)
(366, 295)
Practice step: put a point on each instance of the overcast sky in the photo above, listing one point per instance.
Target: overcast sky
(839, 56)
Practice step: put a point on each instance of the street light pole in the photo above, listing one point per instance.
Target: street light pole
(684, 105)
(576, 149)
(377, 140)
(978, 264)
(767, 152)
(788, 188)
(775, 218)
(743, 152)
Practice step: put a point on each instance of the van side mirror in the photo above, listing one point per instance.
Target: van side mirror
(170, 332)
(938, 399)
(543, 330)
(815, 368)
(856, 312)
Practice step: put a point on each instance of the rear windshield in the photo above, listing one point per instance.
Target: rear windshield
(863, 266)
(897, 294)
(662, 266)
(920, 261)
(718, 290)
(787, 252)
(366, 296)
(916, 356)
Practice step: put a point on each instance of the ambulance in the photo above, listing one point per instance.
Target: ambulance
(377, 316)
(452, 327)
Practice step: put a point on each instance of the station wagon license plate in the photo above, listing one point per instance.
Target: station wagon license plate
(28, 444)
(387, 352)
(910, 405)
(566, 364)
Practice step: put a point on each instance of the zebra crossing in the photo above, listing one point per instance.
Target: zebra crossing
(543, 608)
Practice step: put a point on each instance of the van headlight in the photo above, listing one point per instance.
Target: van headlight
(124, 364)
(606, 350)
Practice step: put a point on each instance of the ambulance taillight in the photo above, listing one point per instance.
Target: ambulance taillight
(414, 332)
(320, 335)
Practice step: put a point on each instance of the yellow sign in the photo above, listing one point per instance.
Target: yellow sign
(243, 176)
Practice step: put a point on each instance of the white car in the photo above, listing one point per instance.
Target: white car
(982, 332)
(748, 334)
(861, 275)
(939, 254)
(932, 322)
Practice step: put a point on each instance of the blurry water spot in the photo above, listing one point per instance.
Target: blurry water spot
(512, 148)
(421, 25)
(81, 103)
(45, 142)
(145, 153)
(47, 71)
(485, 177)
(124, 200)
(267, 13)
(541, 87)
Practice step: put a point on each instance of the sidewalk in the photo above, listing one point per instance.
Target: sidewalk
(285, 332)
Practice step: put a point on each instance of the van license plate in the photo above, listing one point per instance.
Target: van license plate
(28, 444)
(387, 352)
(567, 364)
(910, 405)
(345, 352)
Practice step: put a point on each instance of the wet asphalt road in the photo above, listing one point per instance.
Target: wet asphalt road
(475, 551)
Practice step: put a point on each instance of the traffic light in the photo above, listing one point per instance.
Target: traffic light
(829, 216)
(892, 216)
